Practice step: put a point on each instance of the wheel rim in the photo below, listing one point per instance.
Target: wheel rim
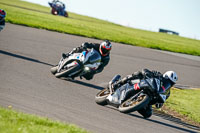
(66, 68)
(104, 93)
(133, 102)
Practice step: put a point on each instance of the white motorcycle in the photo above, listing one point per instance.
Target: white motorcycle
(77, 64)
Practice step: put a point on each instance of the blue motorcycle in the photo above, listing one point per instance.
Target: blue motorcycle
(58, 8)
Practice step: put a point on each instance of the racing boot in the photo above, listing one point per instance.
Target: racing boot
(146, 112)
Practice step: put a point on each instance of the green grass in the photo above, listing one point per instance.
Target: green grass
(185, 102)
(40, 17)
(15, 122)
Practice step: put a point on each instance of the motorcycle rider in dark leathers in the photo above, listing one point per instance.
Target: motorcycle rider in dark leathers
(104, 50)
(167, 80)
(2, 19)
(60, 7)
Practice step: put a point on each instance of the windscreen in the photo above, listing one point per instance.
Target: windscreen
(95, 57)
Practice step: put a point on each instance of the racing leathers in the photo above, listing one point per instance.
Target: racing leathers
(2, 24)
(59, 6)
(61, 9)
(120, 93)
(104, 59)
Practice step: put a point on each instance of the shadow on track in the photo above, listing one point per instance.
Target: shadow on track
(174, 119)
(24, 58)
(166, 117)
(86, 84)
(165, 124)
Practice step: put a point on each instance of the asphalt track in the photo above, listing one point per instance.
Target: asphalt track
(27, 54)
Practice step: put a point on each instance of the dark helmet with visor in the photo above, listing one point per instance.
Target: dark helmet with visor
(2, 14)
(105, 47)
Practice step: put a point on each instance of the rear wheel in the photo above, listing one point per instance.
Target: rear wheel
(100, 97)
(67, 72)
(66, 14)
(137, 103)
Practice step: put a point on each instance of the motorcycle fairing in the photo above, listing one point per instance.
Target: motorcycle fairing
(87, 59)
(120, 94)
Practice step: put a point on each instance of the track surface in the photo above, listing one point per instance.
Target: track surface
(27, 54)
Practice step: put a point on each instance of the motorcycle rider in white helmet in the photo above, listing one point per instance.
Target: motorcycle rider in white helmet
(167, 80)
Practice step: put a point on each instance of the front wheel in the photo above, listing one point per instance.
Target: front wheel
(54, 70)
(100, 97)
(66, 14)
(67, 72)
(134, 104)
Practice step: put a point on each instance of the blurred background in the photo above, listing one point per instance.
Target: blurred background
(181, 16)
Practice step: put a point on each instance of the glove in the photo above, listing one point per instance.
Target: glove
(64, 55)
(125, 79)
(84, 44)
(159, 105)
(156, 73)
(78, 49)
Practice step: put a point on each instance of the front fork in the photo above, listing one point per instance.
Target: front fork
(60, 64)
(136, 95)
(114, 79)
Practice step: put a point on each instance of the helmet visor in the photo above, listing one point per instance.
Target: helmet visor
(105, 51)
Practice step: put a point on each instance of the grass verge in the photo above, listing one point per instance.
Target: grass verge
(184, 104)
(15, 122)
(33, 15)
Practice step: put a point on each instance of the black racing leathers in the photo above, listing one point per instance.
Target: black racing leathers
(167, 84)
(104, 59)
(2, 24)
(138, 75)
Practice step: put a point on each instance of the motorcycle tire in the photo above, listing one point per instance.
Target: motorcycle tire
(100, 97)
(54, 12)
(54, 70)
(66, 72)
(131, 105)
(66, 14)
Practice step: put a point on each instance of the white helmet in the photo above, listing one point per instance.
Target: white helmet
(171, 75)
